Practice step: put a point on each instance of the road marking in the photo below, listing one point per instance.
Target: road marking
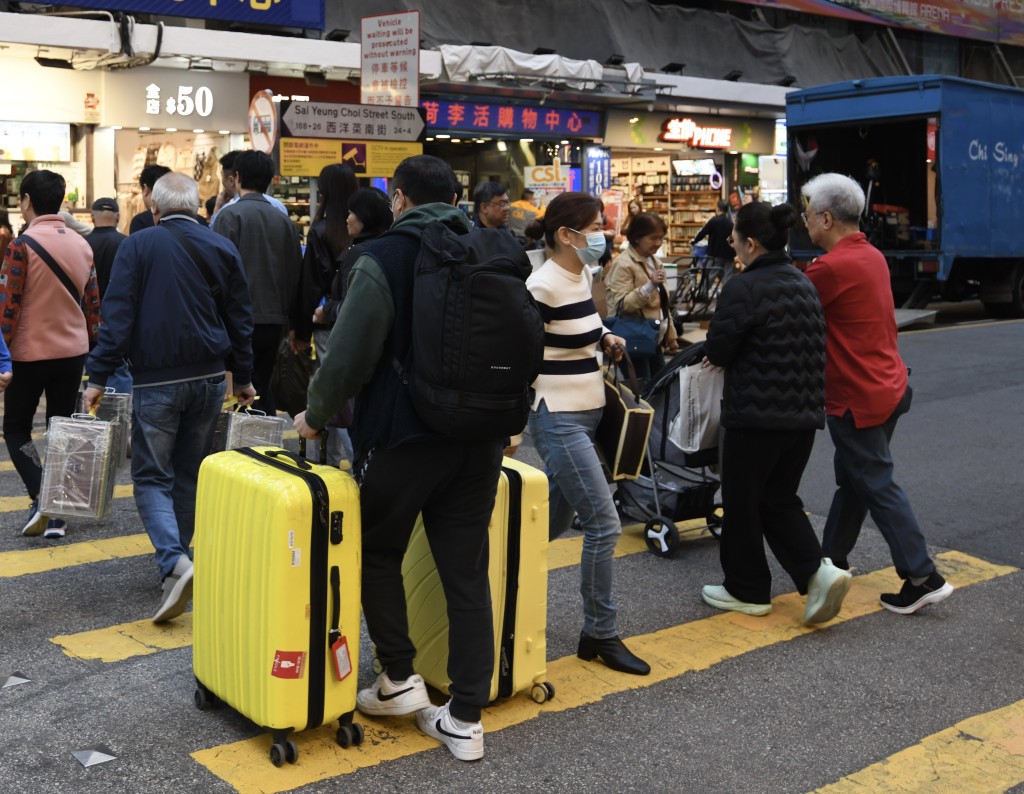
(13, 504)
(961, 327)
(671, 652)
(142, 637)
(983, 754)
(30, 561)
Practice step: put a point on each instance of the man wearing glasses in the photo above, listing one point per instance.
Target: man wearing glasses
(490, 206)
(866, 391)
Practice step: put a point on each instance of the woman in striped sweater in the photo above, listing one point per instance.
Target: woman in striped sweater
(568, 406)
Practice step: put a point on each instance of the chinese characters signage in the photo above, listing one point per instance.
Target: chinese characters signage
(597, 169)
(307, 156)
(479, 117)
(165, 98)
(391, 60)
(689, 132)
(287, 13)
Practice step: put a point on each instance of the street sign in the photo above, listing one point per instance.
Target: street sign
(352, 122)
(390, 72)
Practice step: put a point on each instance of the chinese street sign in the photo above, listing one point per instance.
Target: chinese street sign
(391, 60)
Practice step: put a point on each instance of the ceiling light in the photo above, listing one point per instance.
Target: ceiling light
(456, 140)
(223, 132)
(198, 131)
(502, 146)
(564, 143)
(442, 137)
(172, 129)
(429, 140)
(526, 140)
(143, 129)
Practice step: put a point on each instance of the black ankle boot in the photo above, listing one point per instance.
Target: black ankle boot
(613, 653)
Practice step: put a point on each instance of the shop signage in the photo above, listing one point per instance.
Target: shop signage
(391, 59)
(480, 117)
(363, 122)
(162, 98)
(307, 156)
(26, 140)
(692, 134)
(263, 121)
(286, 13)
(597, 169)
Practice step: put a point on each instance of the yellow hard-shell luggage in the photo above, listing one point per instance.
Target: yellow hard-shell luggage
(518, 572)
(276, 593)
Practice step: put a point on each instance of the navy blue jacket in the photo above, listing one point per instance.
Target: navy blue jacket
(159, 312)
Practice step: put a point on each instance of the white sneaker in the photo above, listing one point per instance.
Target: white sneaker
(466, 744)
(177, 590)
(387, 698)
(715, 595)
(826, 590)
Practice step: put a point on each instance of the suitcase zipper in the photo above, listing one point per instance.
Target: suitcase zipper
(508, 623)
(319, 541)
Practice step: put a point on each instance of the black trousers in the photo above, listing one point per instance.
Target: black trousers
(453, 484)
(265, 339)
(59, 379)
(761, 471)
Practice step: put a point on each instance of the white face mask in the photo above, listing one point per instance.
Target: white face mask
(595, 247)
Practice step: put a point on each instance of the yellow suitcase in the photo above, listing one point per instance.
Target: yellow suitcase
(276, 611)
(518, 572)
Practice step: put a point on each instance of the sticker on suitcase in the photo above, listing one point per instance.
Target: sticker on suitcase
(289, 664)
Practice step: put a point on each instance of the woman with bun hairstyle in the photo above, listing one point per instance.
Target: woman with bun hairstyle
(567, 408)
(768, 333)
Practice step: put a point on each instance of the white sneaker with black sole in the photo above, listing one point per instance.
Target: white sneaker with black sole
(36, 523)
(465, 743)
(387, 698)
(177, 590)
(55, 528)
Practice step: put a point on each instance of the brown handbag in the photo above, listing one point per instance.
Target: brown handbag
(625, 424)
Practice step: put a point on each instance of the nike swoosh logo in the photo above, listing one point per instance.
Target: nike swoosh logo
(437, 725)
(393, 695)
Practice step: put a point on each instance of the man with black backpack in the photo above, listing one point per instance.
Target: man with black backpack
(434, 314)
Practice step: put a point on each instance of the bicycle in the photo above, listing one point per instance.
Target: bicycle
(696, 293)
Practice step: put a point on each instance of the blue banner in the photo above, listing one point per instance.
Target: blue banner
(283, 13)
(597, 164)
(526, 120)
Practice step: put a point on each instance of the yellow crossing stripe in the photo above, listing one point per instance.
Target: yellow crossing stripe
(143, 637)
(982, 754)
(51, 558)
(671, 652)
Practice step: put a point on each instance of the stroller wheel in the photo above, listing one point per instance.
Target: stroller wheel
(661, 536)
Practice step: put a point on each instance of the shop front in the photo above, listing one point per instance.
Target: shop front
(182, 119)
(529, 144)
(679, 165)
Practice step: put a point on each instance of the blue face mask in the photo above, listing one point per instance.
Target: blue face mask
(595, 247)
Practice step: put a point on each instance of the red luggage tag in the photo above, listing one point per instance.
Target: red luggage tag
(340, 658)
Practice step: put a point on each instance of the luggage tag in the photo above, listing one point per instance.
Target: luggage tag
(340, 658)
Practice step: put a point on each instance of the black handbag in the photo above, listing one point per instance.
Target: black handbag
(625, 424)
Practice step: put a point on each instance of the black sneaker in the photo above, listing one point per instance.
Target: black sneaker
(913, 597)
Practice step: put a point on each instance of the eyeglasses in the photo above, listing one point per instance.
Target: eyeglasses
(501, 204)
(803, 215)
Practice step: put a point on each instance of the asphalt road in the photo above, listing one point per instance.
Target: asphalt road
(738, 704)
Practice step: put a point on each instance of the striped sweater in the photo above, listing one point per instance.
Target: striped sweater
(570, 378)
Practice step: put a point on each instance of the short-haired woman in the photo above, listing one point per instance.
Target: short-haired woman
(635, 287)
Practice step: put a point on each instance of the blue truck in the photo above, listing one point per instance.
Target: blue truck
(941, 160)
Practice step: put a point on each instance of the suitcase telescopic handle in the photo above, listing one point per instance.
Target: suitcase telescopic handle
(322, 438)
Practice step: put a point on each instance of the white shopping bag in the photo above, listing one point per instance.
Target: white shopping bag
(700, 408)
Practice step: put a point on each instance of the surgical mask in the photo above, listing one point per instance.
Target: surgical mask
(595, 247)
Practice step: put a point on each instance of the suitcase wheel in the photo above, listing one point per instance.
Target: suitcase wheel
(661, 537)
(542, 692)
(349, 734)
(204, 698)
(284, 751)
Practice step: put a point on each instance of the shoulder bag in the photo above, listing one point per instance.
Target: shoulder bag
(625, 425)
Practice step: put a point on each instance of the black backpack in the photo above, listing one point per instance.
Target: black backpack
(478, 336)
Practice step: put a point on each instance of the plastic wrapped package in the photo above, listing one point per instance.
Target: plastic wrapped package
(247, 428)
(78, 472)
(116, 408)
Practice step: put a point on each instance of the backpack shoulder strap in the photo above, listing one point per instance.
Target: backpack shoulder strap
(58, 271)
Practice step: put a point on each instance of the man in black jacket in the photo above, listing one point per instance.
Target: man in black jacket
(720, 252)
(161, 312)
(104, 240)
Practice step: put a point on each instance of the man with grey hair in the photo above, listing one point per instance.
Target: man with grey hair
(866, 391)
(178, 308)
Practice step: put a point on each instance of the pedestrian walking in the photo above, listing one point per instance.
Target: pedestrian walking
(867, 390)
(104, 241)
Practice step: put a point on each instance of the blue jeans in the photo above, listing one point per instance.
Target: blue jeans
(172, 429)
(565, 440)
(865, 483)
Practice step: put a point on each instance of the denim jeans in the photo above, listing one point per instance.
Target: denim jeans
(172, 429)
(865, 483)
(565, 440)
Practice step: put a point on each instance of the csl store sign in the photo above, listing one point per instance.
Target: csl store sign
(285, 13)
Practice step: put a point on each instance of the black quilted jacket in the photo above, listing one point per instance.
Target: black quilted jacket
(769, 333)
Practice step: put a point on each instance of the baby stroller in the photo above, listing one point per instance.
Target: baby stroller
(673, 485)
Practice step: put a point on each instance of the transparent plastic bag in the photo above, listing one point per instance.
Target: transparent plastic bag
(79, 468)
(248, 428)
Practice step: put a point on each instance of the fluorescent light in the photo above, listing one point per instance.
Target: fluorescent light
(223, 132)
(456, 140)
(526, 140)
(198, 131)
(143, 129)
(442, 137)
(564, 143)
(172, 129)
(733, 152)
(502, 146)
(659, 148)
(429, 140)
